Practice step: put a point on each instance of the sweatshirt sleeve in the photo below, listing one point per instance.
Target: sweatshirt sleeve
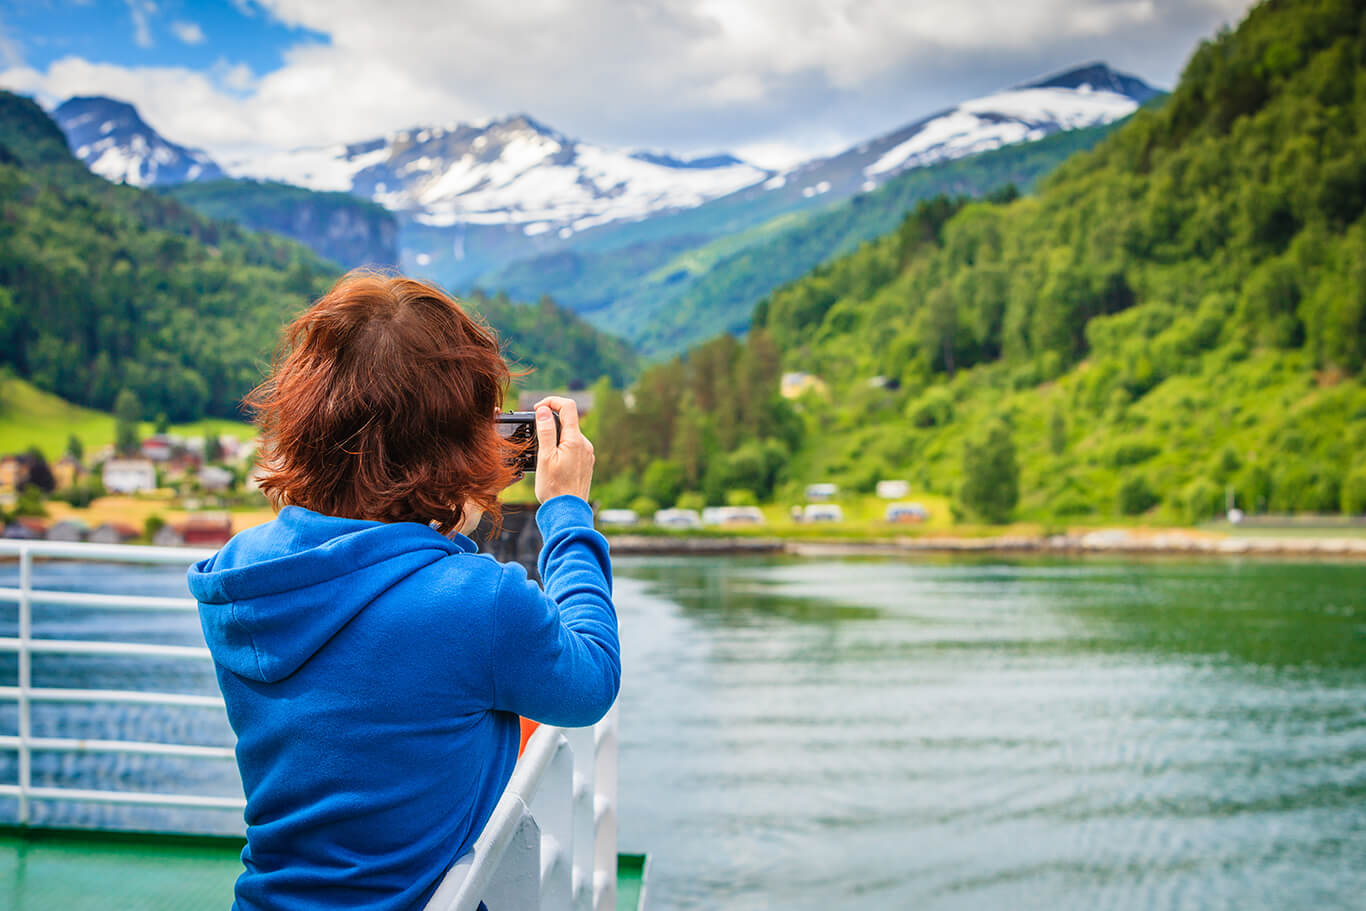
(556, 656)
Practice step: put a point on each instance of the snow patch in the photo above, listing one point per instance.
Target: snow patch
(1002, 119)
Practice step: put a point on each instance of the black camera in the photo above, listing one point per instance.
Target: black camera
(521, 427)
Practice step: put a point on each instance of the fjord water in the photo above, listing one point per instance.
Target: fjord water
(874, 734)
(1088, 735)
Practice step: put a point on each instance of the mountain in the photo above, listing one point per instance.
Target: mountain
(515, 171)
(337, 226)
(1086, 96)
(667, 288)
(1174, 318)
(115, 142)
(105, 287)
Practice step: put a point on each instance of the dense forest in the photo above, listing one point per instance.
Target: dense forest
(1176, 316)
(105, 287)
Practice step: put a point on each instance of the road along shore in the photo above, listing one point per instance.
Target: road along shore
(1104, 541)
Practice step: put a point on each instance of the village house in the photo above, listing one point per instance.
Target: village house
(26, 528)
(205, 529)
(129, 475)
(157, 447)
(67, 471)
(68, 530)
(214, 478)
(113, 533)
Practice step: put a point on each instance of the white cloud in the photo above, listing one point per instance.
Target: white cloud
(773, 75)
(188, 32)
(11, 54)
(142, 12)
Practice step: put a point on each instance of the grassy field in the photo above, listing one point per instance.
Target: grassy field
(31, 417)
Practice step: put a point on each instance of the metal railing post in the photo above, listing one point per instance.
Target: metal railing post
(581, 741)
(25, 680)
(553, 807)
(605, 812)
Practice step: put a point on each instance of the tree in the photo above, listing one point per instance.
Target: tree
(74, 447)
(991, 476)
(662, 481)
(127, 415)
(1057, 432)
(163, 424)
(39, 472)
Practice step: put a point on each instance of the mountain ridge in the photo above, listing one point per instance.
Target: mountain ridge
(111, 137)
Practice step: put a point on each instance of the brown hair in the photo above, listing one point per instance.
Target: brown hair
(381, 406)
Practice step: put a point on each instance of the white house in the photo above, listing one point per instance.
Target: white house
(822, 491)
(212, 477)
(129, 475)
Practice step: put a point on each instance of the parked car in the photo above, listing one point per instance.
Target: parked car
(823, 512)
(678, 518)
(732, 515)
(906, 512)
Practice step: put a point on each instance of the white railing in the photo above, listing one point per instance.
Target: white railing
(550, 843)
(25, 693)
(552, 839)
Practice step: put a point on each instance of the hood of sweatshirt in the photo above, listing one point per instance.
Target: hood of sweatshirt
(275, 594)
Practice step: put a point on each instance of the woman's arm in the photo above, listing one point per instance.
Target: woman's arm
(556, 655)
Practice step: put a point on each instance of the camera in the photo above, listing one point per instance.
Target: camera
(520, 426)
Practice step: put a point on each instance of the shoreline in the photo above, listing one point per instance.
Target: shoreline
(1119, 542)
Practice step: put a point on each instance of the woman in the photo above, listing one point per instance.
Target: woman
(373, 664)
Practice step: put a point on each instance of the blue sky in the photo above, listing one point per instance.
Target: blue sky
(774, 80)
(168, 33)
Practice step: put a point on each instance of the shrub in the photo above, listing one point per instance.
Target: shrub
(1353, 496)
(691, 500)
(741, 497)
(933, 409)
(644, 506)
(1071, 504)
(1202, 499)
(1132, 453)
(1136, 496)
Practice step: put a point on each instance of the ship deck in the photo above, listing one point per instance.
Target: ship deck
(77, 869)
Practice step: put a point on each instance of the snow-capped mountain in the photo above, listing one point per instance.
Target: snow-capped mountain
(1086, 96)
(513, 171)
(116, 143)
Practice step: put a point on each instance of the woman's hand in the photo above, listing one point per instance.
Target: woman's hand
(568, 467)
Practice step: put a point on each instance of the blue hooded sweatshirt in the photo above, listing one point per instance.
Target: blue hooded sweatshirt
(374, 672)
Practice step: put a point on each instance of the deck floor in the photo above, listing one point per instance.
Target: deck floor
(75, 870)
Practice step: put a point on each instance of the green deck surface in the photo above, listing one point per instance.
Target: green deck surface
(74, 870)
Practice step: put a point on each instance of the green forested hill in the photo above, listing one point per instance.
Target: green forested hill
(339, 227)
(105, 287)
(1178, 313)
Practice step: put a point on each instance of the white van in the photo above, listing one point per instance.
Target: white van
(823, 512)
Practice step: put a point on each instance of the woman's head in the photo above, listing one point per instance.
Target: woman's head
(381, 406)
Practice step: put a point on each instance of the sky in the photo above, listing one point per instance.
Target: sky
(774, 81)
